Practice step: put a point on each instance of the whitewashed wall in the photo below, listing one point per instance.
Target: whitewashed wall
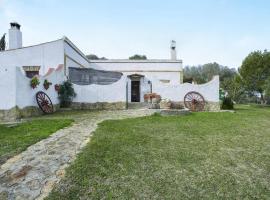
(74, 54)
(25, 95)
(145, 88)
(7, 87)
(46, 55)
(210, 90)
(152, 69)
(115, 92)
(15, 87)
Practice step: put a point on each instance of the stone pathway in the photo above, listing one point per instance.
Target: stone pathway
(33, 173)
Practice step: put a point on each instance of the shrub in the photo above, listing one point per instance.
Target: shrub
(66, 94)
(227, 104)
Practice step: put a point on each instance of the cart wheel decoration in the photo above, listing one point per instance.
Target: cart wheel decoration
(44, 102)
(194, 101)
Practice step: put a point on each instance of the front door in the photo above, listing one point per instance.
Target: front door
(135, 91)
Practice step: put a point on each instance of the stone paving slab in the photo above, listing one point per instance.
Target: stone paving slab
(33, 173)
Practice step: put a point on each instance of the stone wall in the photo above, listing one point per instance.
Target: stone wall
(209, 106)
(99, 106)
(18, 113)
(8, 115)
(212, 106)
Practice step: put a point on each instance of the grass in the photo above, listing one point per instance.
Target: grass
(14, 140)
(201, 156)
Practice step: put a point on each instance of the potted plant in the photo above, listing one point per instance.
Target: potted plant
(57, 87)
(46, 84)
(66, 94)
(34, 82)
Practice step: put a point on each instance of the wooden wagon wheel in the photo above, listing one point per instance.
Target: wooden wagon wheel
(44, 102)
(194, 101)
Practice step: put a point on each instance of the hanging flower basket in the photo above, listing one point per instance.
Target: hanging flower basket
(46, 84)
(57, 87)
(34, 82)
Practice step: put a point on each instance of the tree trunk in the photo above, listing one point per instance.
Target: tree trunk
(262, 99)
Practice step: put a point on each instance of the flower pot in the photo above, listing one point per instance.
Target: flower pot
(46, 86)
(57, 87)
(33, 86)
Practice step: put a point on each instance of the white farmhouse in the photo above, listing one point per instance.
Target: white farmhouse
(98, 83)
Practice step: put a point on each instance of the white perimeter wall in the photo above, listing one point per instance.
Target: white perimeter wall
(15, 88)
(210, 90)
(47, 55)
(26, 95)
(115, 92)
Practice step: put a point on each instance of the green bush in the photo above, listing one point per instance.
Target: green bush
(227, 104)
(66, 94)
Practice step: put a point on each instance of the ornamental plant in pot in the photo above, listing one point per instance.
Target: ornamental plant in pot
(57, 87)
(46, 84)
(66, 94)
(34, 82)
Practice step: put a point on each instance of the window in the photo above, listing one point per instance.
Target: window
(165, 81)
(31, 74)
(31, 71)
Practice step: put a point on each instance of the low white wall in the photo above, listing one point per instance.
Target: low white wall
(26, 95)
(210, 90)
(15, 89)
(115, 92)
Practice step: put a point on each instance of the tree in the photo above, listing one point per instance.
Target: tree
(234, 88)
(255, 70)
(204, 73)
(95, 57)
(92, 57)
(138, 57)
(267, 90)
(3, 43)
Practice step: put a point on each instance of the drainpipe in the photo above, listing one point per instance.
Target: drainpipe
(127, 95)
(151, 88)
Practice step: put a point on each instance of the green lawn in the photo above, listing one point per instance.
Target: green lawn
(14, 140)
(200, 156)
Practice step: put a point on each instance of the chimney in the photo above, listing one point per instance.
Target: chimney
(15, 36)
(173, 50)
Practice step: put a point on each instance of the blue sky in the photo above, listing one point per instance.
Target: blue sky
(224, 31)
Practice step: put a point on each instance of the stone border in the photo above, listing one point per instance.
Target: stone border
(209, 106)
(32, 111)
(99, 106)
(18, 113)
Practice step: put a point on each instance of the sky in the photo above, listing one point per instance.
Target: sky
(223, 31)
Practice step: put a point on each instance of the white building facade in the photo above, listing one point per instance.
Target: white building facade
(142, 73)
(54, 61)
